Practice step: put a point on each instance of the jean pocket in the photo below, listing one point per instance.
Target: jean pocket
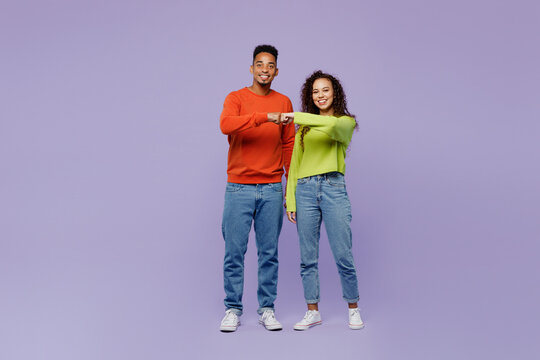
(336, 179)
(302, 181)
(231, 187)
(277, 187)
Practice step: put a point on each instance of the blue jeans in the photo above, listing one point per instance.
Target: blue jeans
(324, 197)
(261, 204)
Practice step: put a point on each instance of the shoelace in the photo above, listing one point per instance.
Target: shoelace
(309, 315)
(355, 315)
(269, 315)
(230, 317)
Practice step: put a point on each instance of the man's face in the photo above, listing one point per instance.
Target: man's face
(264, 68)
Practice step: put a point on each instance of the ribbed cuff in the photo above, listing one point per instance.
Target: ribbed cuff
(261, 118)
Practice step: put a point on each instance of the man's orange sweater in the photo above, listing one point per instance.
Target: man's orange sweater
(258, 149)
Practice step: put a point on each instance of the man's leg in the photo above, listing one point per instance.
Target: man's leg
(268, 222)
(237, 218)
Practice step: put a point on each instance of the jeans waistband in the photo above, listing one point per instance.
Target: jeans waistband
(325, 175)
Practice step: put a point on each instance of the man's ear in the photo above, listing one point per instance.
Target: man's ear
(277, 72)
(251, 69)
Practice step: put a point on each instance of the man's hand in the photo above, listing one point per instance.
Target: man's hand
(292, 216)
(274, 117)
(287, 118)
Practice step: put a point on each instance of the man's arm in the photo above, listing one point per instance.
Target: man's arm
(232, 122)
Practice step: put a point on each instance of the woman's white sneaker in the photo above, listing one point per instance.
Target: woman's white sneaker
(230, 322)
(312, 318)
(269, 321)
(355, 321)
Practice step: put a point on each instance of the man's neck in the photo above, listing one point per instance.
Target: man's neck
(260, 89)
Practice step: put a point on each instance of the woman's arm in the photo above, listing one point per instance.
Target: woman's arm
(296, 160)
(338, 128)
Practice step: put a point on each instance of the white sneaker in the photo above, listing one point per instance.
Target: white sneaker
(230, 322)
(312, 318)
(268, 319)
(355, 321)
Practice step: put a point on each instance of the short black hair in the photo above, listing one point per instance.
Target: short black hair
(265, 48)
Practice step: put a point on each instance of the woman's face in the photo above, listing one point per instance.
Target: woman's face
(323, 95)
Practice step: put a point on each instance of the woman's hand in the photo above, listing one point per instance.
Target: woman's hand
(287, 118)
(292, 216)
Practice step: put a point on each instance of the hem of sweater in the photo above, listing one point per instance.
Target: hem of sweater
(254, 179)
(320, 172)
(292, 208)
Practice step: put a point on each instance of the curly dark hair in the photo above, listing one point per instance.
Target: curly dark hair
(267, 49)
(339, 103)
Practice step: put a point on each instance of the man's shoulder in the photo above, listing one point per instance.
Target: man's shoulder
(280, 95)
(236, 93)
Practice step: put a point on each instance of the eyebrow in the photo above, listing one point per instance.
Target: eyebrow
(261, 62)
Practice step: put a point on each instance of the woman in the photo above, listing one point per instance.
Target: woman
(316, 190)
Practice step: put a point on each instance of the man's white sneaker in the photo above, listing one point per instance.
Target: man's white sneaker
(230, 322)
(355, 321)
(312, 318)
(268, 319)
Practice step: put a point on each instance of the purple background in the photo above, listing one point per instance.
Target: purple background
(112, 172)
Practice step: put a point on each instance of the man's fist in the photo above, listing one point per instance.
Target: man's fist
(274, 117)
(287, 118)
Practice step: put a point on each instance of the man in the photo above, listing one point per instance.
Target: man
(260, 146)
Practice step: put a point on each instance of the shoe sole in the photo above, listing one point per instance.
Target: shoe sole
(229, 329)
(302, 328)
(271, 328)
(356, 327)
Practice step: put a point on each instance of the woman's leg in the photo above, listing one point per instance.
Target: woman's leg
(308, 223)
(336, 213)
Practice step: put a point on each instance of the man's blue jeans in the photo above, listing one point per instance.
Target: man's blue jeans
(324, 197)
(261, 204)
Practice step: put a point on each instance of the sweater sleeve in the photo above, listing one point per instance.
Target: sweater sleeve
(296, 160)
(232, 122)
(338, 128)
(287, 141)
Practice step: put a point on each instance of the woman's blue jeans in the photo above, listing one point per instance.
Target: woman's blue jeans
(324, 198)
(261, 204)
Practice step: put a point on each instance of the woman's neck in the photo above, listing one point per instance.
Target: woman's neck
(327, 112)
